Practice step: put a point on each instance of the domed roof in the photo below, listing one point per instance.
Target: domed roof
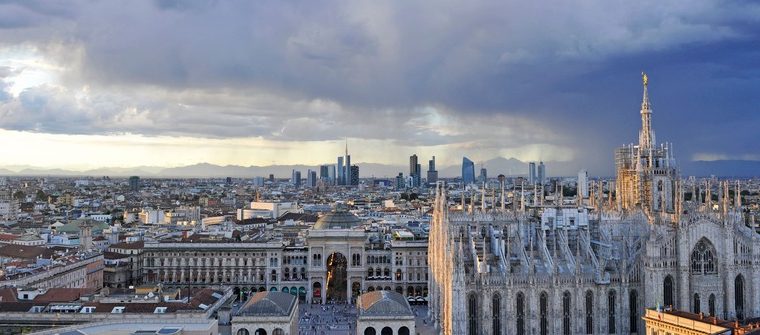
(379, 303)
(269, 303)
(338, 219)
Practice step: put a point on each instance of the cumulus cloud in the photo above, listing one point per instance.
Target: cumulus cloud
(504, 76)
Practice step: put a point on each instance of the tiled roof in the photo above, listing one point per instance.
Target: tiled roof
(20, 251)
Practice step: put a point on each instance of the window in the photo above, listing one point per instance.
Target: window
(566, 313)
(543, 309)
(739, 297)
(633, 312)
(520, 314)
(496, 314)
(667, 291)
(589, 312)
(472, 314)
(711, 304)
(703, 258)
(695, 304)
(611, 312)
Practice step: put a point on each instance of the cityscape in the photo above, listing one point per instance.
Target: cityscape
(160, 176)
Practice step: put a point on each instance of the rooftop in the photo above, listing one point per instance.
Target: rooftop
(338, 219)
(269, 304)
(383, 303)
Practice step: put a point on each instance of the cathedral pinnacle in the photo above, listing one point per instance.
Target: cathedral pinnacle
(646, 137)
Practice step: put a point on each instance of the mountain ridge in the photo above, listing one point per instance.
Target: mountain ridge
(494, 166)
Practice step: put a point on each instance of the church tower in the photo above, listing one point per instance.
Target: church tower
(646, 173)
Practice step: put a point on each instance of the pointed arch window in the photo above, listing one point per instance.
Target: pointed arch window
(667, 291)
(696, 304)
(703, 258)
(611, 312)
(711, 305)
(589, 312)
(472, 314)
(520, 313)
(496, 314)
(633, 304)
(739, 297)
(566, 313)
(543, 310)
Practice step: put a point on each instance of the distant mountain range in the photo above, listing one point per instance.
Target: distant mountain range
(495, 166)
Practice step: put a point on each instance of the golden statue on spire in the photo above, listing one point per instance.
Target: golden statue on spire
(644, 78)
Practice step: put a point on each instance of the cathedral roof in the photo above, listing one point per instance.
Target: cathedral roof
(381, 303)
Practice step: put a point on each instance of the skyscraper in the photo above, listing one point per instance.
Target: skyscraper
(583, 184)
(297, 179)
(468, 171)
(432, 174)
(400, 181)
(541, 173)
(311, 178)
(348, 176)
(324, 173)
(354, 175)
(412, 164)
(341, 179)
(483, 175)
(532, 173)
(134, 183)
(415, 171)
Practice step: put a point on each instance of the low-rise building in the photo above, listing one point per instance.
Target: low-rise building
(669, 322)
(384, 312)
(273, 313)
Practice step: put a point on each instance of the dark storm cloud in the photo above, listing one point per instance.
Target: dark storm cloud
(369, 69)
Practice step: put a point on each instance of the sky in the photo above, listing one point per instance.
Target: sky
(87, 84)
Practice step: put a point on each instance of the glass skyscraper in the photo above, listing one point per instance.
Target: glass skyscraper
(468, 171)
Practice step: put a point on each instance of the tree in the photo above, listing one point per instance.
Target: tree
(41, 196)
(19, 195)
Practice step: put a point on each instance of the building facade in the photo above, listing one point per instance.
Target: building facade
(552, 268)
(339, 260)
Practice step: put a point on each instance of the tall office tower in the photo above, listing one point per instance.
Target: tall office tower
(311, 178)
(331, 175)
(541, 173)
(341, 180)
(483, 175)
(134, 183)
(297, 178)
(271, 178)
(354, 175)
(324, 173)
(258, 181)
(412, 164)
(532, 173)
(415, 171)
(468, 171)
(646, 173)
(400, 181)
(347, 173)
(583, 184)
(432, 174)
(293, 176)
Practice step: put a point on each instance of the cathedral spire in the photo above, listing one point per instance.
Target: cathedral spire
(646, 137)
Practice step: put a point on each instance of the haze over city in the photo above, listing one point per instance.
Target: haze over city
(86, 84)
